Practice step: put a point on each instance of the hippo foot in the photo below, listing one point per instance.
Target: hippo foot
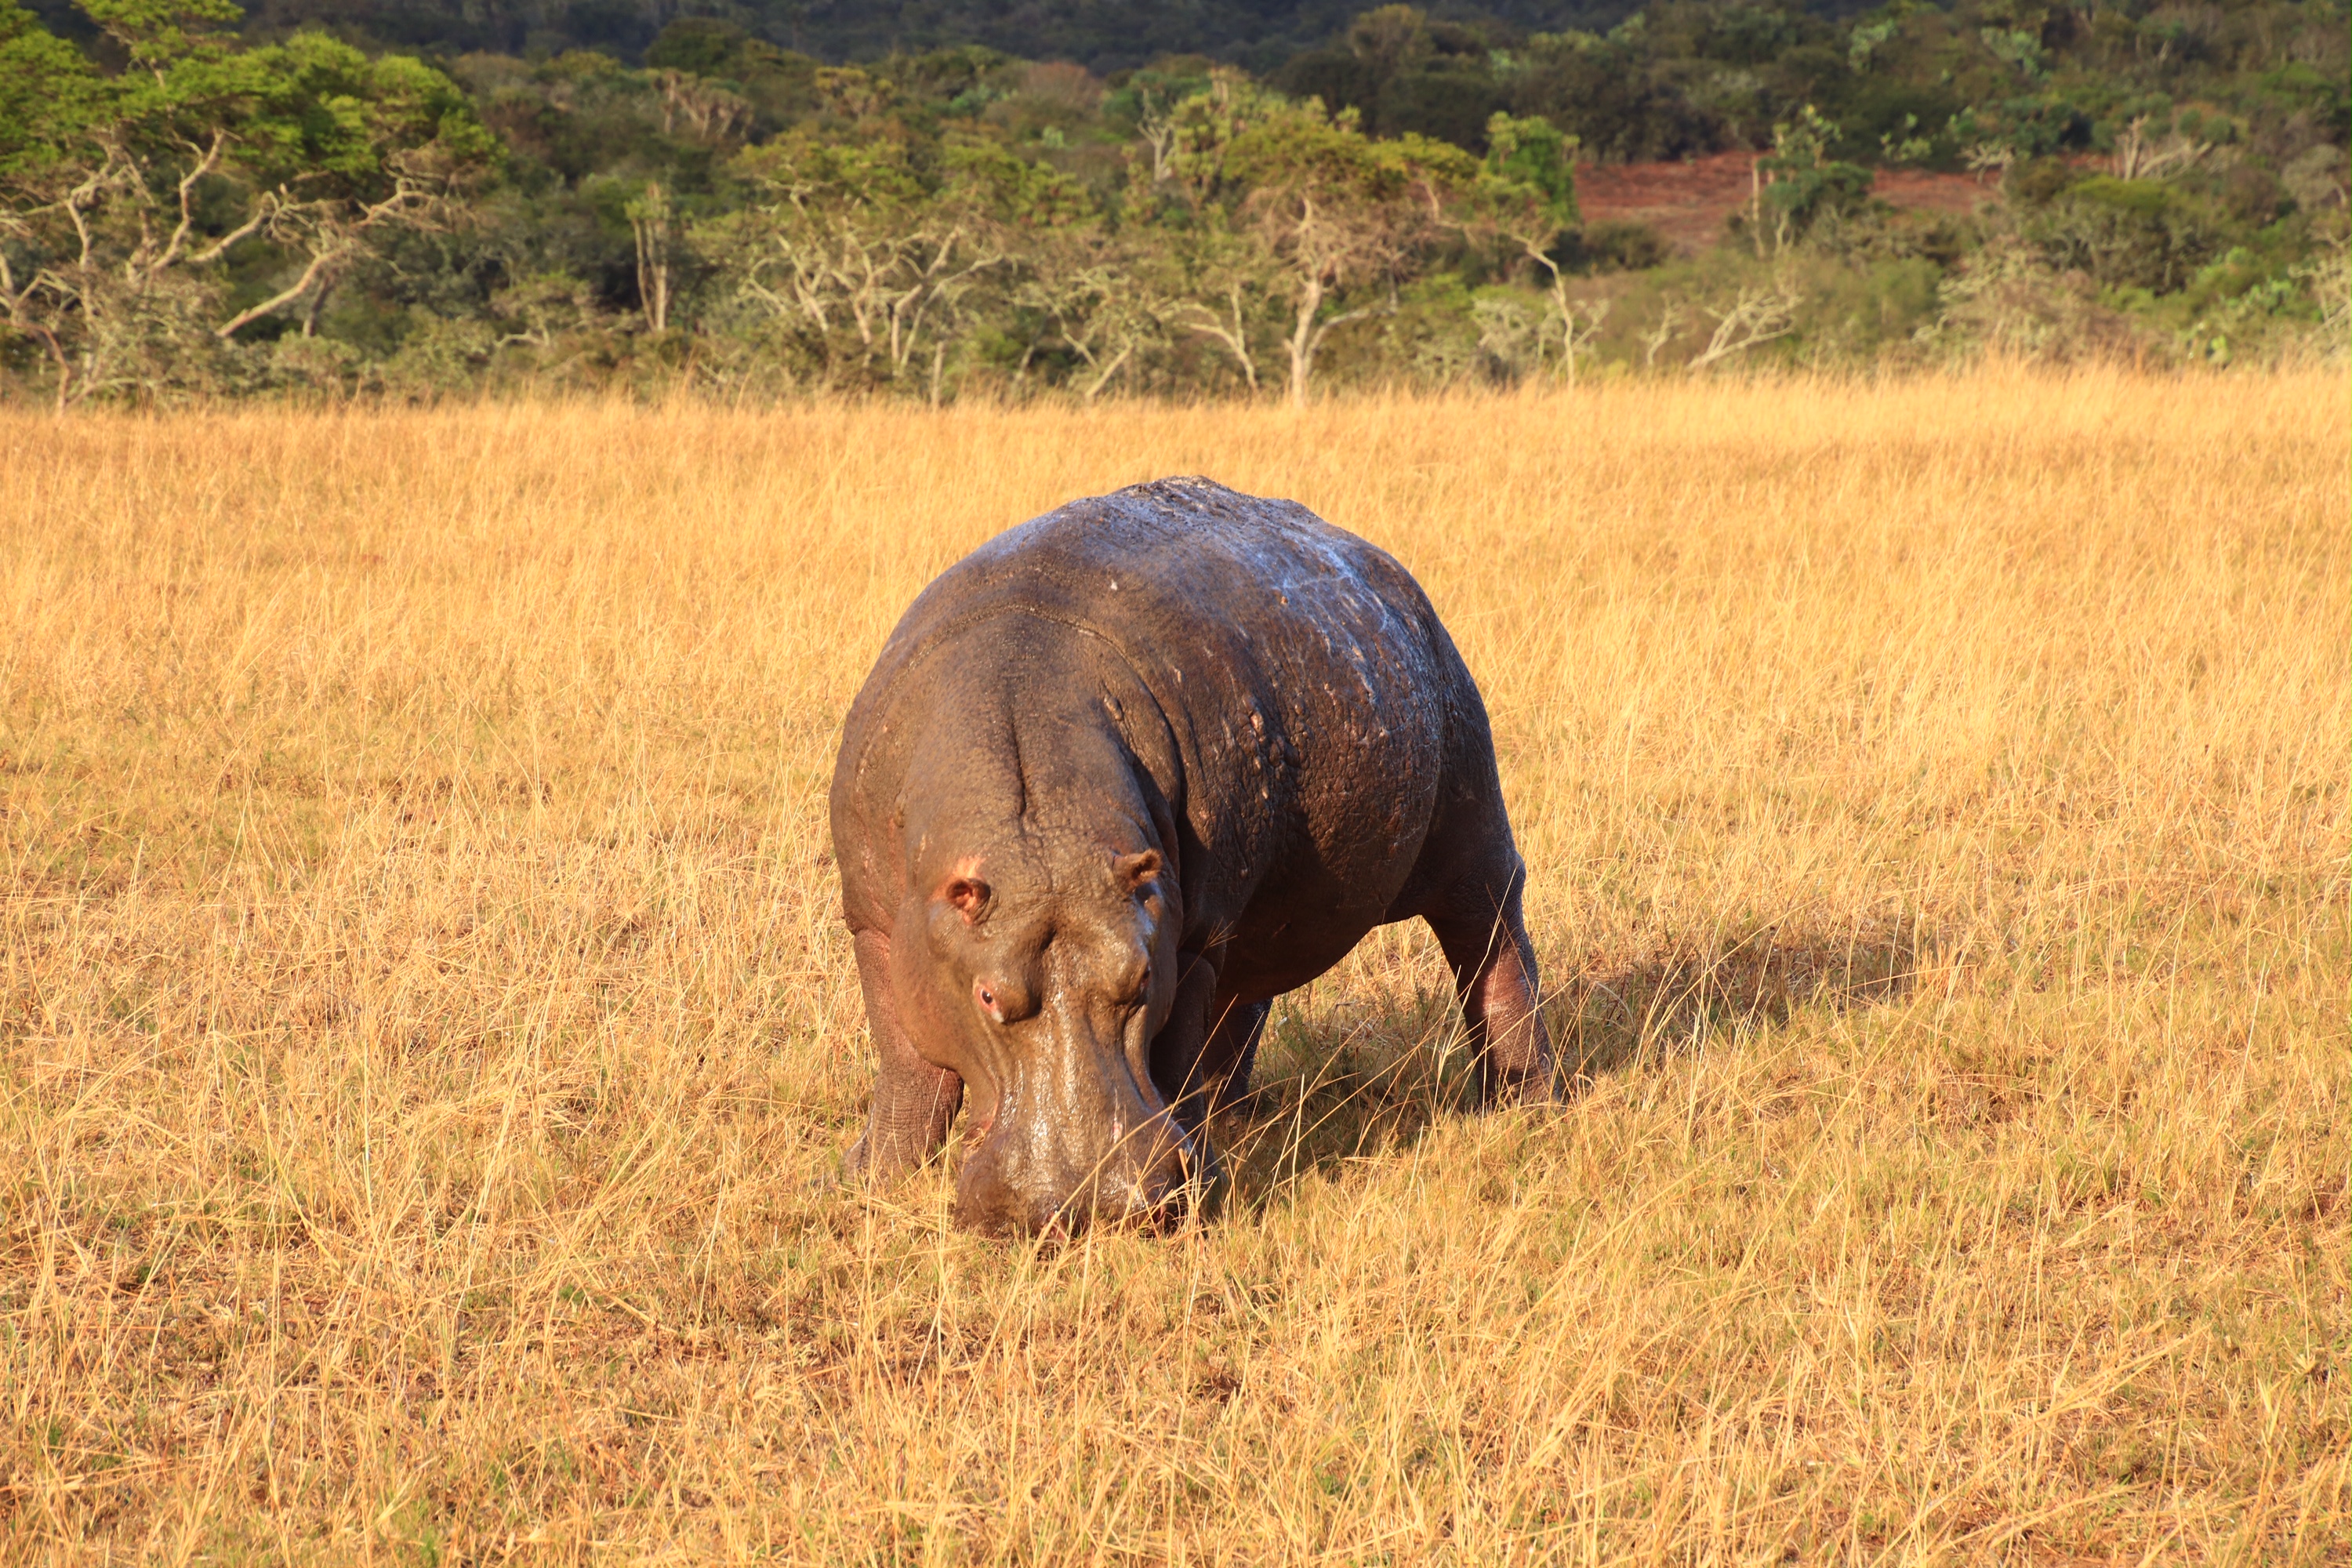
(1209, 1197)
(859, 1172)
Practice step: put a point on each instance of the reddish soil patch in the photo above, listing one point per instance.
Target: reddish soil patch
(1688, 202)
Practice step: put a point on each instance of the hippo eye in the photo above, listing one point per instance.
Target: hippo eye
(985, 994)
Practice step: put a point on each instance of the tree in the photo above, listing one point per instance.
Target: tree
(2127, 234)
(1218, 274)
(1797, 183)
(1525, 194)
(382, 146)
(1098, 293)
(869, 265)
(49, 95)
(1189, 143)
(1337, 212)
(650, 225)
(125, 200)
(1222, 281)
(1758, 316)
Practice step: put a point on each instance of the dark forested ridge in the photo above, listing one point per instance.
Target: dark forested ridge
(1104, 35)
(942, 199)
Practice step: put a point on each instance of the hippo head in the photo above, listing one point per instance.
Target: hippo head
(1040, 974)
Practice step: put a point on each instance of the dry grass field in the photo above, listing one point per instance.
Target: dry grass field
(425, 1028)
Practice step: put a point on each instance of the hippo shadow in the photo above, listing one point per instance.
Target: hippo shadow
(1346, 1080)
(1610, 1018)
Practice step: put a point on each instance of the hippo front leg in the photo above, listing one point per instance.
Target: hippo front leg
(1193, 1059)
(1240, 1027)
(913, 1102)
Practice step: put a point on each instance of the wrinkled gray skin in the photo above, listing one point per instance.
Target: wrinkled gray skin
(1120, 776)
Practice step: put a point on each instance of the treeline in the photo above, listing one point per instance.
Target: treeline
(1104, 35)
(193, 201)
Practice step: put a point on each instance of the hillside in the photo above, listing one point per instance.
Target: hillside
(1692, 203)
(1395, 196)
(1104, 35)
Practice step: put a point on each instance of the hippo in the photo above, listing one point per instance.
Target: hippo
(1121, 777)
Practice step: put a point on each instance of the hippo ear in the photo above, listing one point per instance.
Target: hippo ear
(968, 894)
(1133, 870)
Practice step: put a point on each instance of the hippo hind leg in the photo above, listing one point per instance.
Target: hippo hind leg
(1479, 924)
(914, 1102)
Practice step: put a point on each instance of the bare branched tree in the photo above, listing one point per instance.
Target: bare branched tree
(650, 225)
(332, 232)
(1757, 316)
(1221, 283)
(1227, 325)
(1157, 131)
(848, 247)
(1328, 245)
(1335, 213)
(128, 193)
(712, 112)
(1573, 338)
(2143, 155)
(1099, 298)
(1672, 319)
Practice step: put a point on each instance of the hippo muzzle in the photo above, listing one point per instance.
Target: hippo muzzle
(1078, 1134)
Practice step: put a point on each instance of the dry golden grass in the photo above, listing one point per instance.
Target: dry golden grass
(422, 1013)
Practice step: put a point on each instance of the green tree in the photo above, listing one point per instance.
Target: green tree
(1338, 214)
(1221, 280)
(1525, 194)
(1801, 183)
(126, 199)
(2127, 234)
(870, 270)
(49, 96)
(1100, 294)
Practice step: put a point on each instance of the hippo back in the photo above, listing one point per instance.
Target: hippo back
(1313, 697)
